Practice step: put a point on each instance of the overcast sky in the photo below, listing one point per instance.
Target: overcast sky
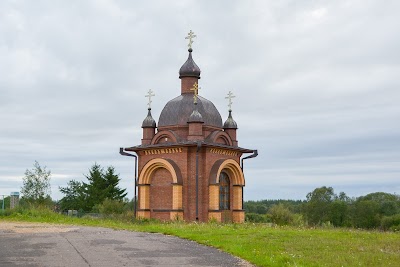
(315, 82)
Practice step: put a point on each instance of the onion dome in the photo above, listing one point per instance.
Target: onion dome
(178, 111)
(195, 116)
(149, 122)
(189, 68)
(230, 123)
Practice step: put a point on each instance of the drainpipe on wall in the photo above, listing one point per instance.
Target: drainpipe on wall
(121, 151)
(255, 154)
(197, 180)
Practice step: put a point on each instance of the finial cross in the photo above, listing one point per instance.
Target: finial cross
(229, 97)
(195, 89)
(190, 36)
(149, 95)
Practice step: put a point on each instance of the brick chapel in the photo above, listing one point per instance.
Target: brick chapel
(189, 162)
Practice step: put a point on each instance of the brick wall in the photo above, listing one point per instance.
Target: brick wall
(187, 83)
(180, 199)
(161, 194)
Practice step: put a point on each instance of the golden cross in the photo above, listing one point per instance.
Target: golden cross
(196, 89)
(190, 37)
(149, 95)
(229, 97)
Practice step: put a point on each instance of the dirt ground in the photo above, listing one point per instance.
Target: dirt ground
(31, 228)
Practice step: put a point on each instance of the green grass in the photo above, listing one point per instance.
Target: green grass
(260, 244)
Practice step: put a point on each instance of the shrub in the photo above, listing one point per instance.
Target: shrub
(110, 206)
(280, 214)
(257, 218)
(4, 213)
(366, 214)
(126, 216)
(298, 220)
(391, 222)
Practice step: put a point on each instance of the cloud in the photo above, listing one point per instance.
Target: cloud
(316, 86)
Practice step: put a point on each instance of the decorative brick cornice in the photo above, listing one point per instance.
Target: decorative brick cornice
(224, 152)
(163, 151)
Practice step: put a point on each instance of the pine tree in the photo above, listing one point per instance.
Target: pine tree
(113, 191)
(102, 184)
(96, 188)
(75, 196)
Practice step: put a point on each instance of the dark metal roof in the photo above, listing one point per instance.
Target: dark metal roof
(195, 116)
(149, 122)
(189, 143)
(189, 68)
(178, 110)
(230, 123)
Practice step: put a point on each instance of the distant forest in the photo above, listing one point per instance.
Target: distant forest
(325, 208)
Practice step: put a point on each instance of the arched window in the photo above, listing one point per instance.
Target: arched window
(224, 192)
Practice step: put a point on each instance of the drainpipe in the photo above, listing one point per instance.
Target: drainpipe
(121, 151)
(255, 154)
(197, 180)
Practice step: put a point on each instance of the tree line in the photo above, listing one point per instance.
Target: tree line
(323, 207)
(100, 193)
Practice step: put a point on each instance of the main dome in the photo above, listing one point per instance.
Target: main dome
(178, 110)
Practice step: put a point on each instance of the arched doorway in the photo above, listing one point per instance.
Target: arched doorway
(160, 190)
(225, 197)
(226, 182)
(161, 194)
(224, 192)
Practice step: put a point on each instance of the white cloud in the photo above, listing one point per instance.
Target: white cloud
(316, 86)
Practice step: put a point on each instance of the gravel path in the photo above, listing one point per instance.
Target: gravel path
(32, 244)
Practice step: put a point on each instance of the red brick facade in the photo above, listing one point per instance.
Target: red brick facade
(179, 165)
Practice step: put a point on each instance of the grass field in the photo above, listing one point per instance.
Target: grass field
(260, 244)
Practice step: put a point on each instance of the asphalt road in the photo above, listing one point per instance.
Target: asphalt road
(24, 244)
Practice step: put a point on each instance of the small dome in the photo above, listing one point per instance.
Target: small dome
(189, 68)
(195, 116)
(230, 123)
(149, 122)
(178, 110)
